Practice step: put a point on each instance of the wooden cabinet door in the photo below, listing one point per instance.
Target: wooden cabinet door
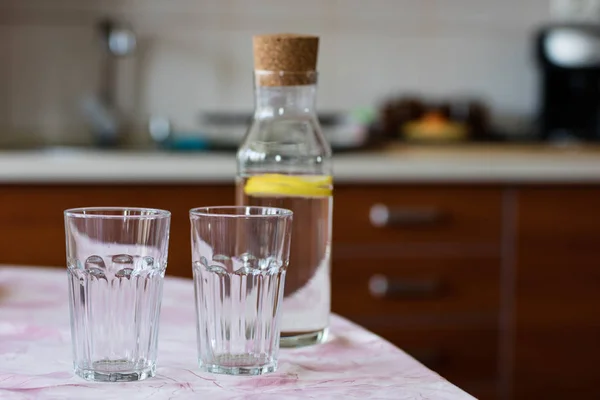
(32, 226)
(558, 294)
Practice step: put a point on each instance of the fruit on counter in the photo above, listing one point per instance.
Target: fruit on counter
(434, 126)
(411, 117)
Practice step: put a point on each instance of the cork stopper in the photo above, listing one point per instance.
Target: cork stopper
(285, 59)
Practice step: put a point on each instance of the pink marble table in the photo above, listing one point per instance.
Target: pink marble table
(35, 355)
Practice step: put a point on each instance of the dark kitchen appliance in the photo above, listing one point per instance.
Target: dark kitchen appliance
(569, 60)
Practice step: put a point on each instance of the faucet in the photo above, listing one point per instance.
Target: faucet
(101, 109)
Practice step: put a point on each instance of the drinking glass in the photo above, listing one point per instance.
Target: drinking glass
(240, 256)
(116, 261)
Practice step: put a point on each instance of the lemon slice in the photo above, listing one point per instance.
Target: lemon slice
(288, 185)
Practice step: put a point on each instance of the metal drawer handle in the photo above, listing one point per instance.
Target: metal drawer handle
(382, 287)
(384, 216)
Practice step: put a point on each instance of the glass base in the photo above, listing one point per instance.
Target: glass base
(103, 372)
(239, 364)
(301, 339)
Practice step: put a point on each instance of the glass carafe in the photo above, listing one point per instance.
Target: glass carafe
(284, 161)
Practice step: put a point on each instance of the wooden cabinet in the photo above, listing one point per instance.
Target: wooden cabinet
(380, 288)
(420, 266)
(411, 215)
(32, 226)
(557, 330)
(496, 288)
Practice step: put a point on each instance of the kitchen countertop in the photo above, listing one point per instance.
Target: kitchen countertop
(395, 164)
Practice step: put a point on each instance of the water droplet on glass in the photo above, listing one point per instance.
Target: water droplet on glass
(122, 259)
(124, 273)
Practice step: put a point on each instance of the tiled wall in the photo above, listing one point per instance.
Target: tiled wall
(195, 55)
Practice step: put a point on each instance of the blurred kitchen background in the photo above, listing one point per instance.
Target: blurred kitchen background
(466, 162)
(123, 71)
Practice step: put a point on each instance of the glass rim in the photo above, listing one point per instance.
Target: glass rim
(235, 212)
(95, 212)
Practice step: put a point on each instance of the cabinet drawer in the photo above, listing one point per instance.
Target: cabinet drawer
(466, 357)
(399, 288)
(391, 214)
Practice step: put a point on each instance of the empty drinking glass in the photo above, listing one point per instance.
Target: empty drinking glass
(240, 256)
(116, 260)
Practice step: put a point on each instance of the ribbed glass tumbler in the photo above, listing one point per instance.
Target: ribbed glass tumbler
(116, 261)
(240, 256)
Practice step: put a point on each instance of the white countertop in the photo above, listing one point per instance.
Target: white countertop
(477, 164)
